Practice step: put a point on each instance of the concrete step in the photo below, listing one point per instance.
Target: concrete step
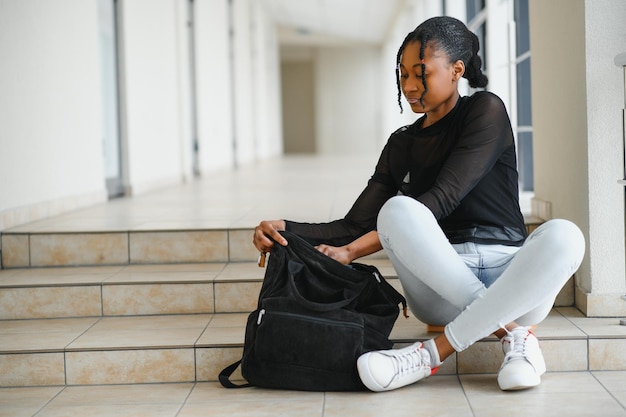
(187, 348)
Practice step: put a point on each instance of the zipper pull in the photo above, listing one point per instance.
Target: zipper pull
(261, 313)
(377, 277)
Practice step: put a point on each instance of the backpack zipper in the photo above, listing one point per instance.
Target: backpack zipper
(322, 320)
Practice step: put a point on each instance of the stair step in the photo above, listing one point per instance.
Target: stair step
(135, 290)
(187, 348)
(22, 248)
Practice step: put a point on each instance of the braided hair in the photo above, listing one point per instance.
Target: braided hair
(451, 36)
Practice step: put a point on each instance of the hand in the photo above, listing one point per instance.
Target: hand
(265, 232)
(340, 254)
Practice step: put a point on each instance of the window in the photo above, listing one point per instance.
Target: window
(524, 128)
(477, 23)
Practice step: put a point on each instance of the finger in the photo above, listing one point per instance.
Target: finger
(275, 234)
(262, 242)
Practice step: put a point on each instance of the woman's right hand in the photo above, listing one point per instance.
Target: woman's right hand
(266, 233)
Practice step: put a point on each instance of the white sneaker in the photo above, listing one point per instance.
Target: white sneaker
(523, 361)
(386, 370)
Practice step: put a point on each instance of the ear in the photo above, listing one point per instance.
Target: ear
(458, 69)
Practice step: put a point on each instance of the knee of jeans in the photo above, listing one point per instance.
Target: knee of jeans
(564, 235)
(399, 207)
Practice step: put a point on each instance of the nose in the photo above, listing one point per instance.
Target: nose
(412, 84)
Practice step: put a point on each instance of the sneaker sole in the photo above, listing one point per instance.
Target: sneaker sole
(514, 384)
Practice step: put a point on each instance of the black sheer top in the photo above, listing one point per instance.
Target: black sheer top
(463, 168)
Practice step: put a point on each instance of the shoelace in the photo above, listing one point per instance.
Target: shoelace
(406, 363)
(517, 341)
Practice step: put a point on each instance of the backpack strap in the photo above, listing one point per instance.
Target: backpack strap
(224, 376)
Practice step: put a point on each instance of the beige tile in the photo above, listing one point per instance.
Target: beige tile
(124, 394)
(241, 272)
(50, 275)
(482, 357)
(241, 247)
(111, 410)
(142, 332)
(556, 326)
(31, 369)
(181, 247)
(600, 327)
(157, 299)
(207, 268)
(613, 381)
(211, 361)
(211, 399)
(551, 382)
(209, 392)
(15, 250)
(41, 335)
(25, 402)
(565, 355)
(409, 330)
(50, 302)
(236, 297)
(222, 336)
(130, 366)
(79, 249)
(437, 395)
(25, 278)
(229, 320)
(607, 354)
(527, 403)
(568, 393)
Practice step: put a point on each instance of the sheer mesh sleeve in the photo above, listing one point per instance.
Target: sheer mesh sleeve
(485, 134)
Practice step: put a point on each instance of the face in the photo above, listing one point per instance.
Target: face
(441, 79)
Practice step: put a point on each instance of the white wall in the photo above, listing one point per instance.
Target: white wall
(347, 100)
(50, 109)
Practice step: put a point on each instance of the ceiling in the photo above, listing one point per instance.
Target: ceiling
(329, 22)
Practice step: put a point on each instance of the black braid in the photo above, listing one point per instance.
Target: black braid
(425, 40)
(452, 37)
(398, 57)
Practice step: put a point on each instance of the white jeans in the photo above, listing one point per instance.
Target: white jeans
(476, 289)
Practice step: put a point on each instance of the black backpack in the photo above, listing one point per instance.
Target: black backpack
(314, 318)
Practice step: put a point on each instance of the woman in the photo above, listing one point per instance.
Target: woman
(443, 203)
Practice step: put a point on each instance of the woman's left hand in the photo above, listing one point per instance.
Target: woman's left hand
(340, 254)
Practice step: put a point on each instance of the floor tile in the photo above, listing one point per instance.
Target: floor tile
(572, 394)
(117, 400)
(143, 332)
(40, 335)
(437, 395)
(241, 272)
(211, 399)
(25, 402)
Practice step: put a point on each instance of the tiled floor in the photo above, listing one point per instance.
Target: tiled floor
(572, 394)
(298, 188)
